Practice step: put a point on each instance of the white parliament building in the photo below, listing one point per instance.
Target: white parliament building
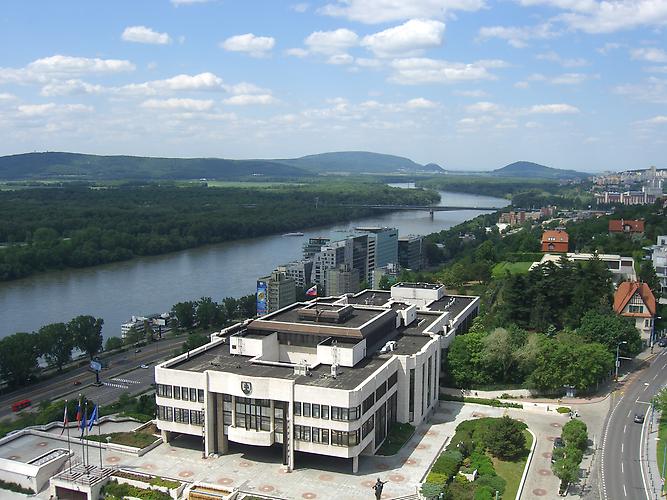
(328, 376)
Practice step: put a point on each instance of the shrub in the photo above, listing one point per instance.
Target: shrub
(448, 463)
(484, 493)
(563, 409)
(495, 483)
(430, 490)
(505, 438)
(17, 488)
(480, 401)
(575, 434)
(113, 490)
(482, 463)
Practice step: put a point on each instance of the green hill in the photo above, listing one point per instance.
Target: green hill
(52, 165)
(530, 170)
(359, 162)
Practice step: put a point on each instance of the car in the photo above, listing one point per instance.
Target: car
(662, 342)
(559, 443)
(137, 350)
(144, 367)
(77, 382)
(639, 418)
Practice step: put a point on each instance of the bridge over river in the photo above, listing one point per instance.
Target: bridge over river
(431, 209)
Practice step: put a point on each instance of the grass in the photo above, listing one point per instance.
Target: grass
(139, 439)
(662, 434)
(511, 472)
(500, 269)
(399, 434)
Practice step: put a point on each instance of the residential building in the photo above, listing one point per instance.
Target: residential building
(313, 246)
(622, 268)
(555, 240)
(658, 256)
(635, 300)
(411, 254)
(300, 272)
(382, 248)
(329, 376)
(626, 226)
(279, 289)
(625, 198)
(341, 280)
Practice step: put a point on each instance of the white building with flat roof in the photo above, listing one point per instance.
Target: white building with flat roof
(329, 376)
(622, 268)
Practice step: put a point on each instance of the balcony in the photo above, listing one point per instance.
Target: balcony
(250, 436)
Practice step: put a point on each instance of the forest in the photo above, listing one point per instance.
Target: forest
(81, 226)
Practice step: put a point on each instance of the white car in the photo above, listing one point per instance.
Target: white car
(145, 367)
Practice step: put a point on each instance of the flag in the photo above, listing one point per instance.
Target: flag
(65, 420)
(93, 418)
(312, 291)
(83, 420)
(78, 414)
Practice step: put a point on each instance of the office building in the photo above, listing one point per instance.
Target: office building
(411, 252)
(329, 376)
(275, 292)
(343, 279)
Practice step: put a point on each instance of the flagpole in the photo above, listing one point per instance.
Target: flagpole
(86, 431)
(84, 424)
(99, 432)
(69, 451)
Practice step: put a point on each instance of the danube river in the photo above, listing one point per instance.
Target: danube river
(153, 284)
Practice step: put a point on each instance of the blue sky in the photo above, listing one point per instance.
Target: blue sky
(468, 84)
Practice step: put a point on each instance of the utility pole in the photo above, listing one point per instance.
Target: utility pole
(618, 346)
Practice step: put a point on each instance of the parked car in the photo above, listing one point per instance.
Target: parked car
(639, 418)
(559, 443)
(137, 350)
(662, 342)
(77, 382)
(144, 367)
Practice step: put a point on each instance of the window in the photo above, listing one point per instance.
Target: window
(297, 408)
(193, 394)
(184, 394)
(367, 427)
(197, 417)
(344, 438)
(302, 433)
(177, 392)
(164, 391)
(393, 379)
(181, 415)
(200, 395)
(316, 411)
(325, 436)
(411, 404)
(164, 413)
(253, 414)
(381, 390)
(423, 389)
(306, 409)
(325, 412)
(428, 380)
(345, 414)
(368, 403)
(636, 309)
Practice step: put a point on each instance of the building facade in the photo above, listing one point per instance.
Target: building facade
(555, 241)
(411, 253)
(635, 300)
(329, 376)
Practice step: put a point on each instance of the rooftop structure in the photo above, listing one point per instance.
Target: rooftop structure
(627, 226)
(328, 376)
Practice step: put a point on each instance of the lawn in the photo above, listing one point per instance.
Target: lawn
(512, 471)
(662, 434)
(501, 268)
(139, 439)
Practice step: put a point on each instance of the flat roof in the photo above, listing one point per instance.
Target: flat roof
(371, 298)
(424, 286)
(452, 304)
(358, 317)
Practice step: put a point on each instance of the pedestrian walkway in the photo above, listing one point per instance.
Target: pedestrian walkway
(650, 454)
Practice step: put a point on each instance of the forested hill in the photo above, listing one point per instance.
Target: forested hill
(52, 165)
(76, 166)
(527, 169)
(359, 162)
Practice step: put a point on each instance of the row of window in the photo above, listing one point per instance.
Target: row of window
(322, 436)
(314, 410)
(178, 392)
(180, 415)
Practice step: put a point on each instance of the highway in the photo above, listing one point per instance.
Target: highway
(623, 472)
(63, 385)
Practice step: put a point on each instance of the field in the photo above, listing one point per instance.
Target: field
(500, 269)
(512, 471)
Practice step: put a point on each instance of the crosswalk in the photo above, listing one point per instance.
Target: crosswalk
(120, 383)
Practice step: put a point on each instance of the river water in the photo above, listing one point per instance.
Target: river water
(153, 284)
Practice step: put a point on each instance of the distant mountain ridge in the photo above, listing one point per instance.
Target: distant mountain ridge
(532, 170)
(78, 166)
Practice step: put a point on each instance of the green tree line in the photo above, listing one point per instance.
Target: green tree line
(44, 229)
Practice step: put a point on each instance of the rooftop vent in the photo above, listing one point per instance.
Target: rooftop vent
(389, 346)
(320, 314)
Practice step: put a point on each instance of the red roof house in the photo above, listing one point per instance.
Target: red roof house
(626, 226)
(555, 241)
(635, 300)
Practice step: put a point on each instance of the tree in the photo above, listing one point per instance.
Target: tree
(113, 343)
(505, 438)
(247, 307)
(575, 434)
(184, 313)
(132, 336)
(648, 275)
(56, 344)
(18, 358)
(566, 470)
(207, 313)
(384, 283)
(87, 334)
(194, 340)
(499, 353)
(465, 360)
(609, 329)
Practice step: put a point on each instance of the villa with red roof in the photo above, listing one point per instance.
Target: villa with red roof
(635, 300)
(555, 240)
(630, 226)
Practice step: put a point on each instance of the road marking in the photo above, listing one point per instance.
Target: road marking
(656, 375)
(629, 412)
(622, 468)
(641, 465)
(642, 403)
(625, 428)
(621, 447)
(118, 386)
(625, 492)
(125, 381)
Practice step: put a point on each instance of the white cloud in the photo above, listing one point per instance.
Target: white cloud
(331, 42)
(143, 34)
(656, 120)
(245, 88)
(653, 90)
(256, 46)
(199, 82)
(175, 104)
(417, 70)
(340, 59)
(300, 7)
(483, 107)
(564, 79)
(187, 2)
(5, 96)
(70, 87)
(249, 99)
(297, 52)
(470, 93)
(607, 16)
(608, 47)
(576, 62)
(382, 11)
(516, 36)
(521, 85)
(553, 109)
(650, 54)
(364, 62)
(421, 103)
(48, 109)
(67, 65)
(410, 38)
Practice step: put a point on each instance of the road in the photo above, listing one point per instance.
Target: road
(622, 468)
(58, 385)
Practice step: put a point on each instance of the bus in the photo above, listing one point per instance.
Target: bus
(19, 405)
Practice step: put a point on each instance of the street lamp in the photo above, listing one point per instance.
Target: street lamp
(657, 318)
(618, 346)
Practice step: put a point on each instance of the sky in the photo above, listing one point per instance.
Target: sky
(467, 84)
